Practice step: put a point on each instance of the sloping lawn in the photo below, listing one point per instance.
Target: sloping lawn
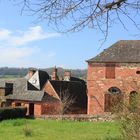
(57, 130)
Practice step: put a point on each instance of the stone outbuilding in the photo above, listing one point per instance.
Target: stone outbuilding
(43, 95)
(113, 76)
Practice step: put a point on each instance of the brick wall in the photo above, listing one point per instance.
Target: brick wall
(2, 92)
(50, 90)
(37, 109)
(2, 96)
(126, 79)
(50, 108)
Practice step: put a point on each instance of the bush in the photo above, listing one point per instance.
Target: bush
(27, 131)
(129, 119)
(11, 113)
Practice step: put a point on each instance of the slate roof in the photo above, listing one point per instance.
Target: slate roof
(75, 89)
(20, 91)
(6, 80)
(23, 91)
(27, 96)
(37, 81)
(124, 51)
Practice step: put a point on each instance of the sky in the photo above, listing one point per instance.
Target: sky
(26, 43)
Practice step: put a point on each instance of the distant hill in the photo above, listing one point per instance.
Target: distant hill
(20, 72)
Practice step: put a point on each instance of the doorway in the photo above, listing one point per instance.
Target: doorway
(31, 109)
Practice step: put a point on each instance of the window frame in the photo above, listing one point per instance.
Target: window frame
(110, 72)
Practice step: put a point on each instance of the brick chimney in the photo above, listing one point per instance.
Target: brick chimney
(67, 75)
(54, 75)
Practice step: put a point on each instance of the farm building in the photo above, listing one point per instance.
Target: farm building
(113, 76)
(43, 95)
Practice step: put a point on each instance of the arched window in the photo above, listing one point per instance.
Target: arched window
(114, 90)
(3, 104)
(113, 99)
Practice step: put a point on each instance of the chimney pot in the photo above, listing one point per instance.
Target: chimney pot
(67, 75)
(54, 75)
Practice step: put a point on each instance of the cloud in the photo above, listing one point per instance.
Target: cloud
(23, 37)
(33, 34)
(11, 54)
(15, 45)
(4, 34)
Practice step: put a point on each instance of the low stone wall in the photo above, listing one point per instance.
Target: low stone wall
(79, 117)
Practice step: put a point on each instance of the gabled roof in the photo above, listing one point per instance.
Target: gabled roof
(37, 81)
(6, 80)
(73, 89)
(27, 96)
(20, 91)
(124, 51)
(30, 90)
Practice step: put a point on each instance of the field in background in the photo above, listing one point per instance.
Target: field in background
(58, 130)
(6, 72)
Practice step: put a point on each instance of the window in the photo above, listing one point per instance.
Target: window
(114, 90)
(110, 71)
(3, 104)
(9, 88)
(138, 72)
(113, 99)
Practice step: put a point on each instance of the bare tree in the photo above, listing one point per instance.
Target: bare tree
(66, 102)
(75, 15)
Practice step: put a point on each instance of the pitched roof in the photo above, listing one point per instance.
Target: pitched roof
(74, 89)
(27, 96)
(37, 81)
(124, 51)
(20, 91)
(6, 80)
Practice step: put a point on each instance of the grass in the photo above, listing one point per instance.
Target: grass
(58, 130)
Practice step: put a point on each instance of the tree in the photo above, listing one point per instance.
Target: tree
(75, 15)
(129, 119)
(66, 102)
(127, 113)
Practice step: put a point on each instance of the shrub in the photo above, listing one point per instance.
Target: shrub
(129, 119)
(27, 130)
(11, 113)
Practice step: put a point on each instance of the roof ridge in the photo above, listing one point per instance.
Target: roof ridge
(121, 51)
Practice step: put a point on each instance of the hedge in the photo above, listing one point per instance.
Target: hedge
(11, 113)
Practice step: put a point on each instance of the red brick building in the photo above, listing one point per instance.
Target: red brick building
(42, 94)
(113, 73)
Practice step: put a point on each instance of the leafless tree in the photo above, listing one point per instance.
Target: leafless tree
(66, 102)
(75, 15)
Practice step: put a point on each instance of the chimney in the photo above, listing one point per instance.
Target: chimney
(67, 75)
(54, 75)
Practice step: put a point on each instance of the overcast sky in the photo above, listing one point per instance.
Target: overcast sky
(26, 43)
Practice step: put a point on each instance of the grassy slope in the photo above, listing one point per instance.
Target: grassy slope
(57, 130)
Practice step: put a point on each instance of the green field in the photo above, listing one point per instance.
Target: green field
(58, 130)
